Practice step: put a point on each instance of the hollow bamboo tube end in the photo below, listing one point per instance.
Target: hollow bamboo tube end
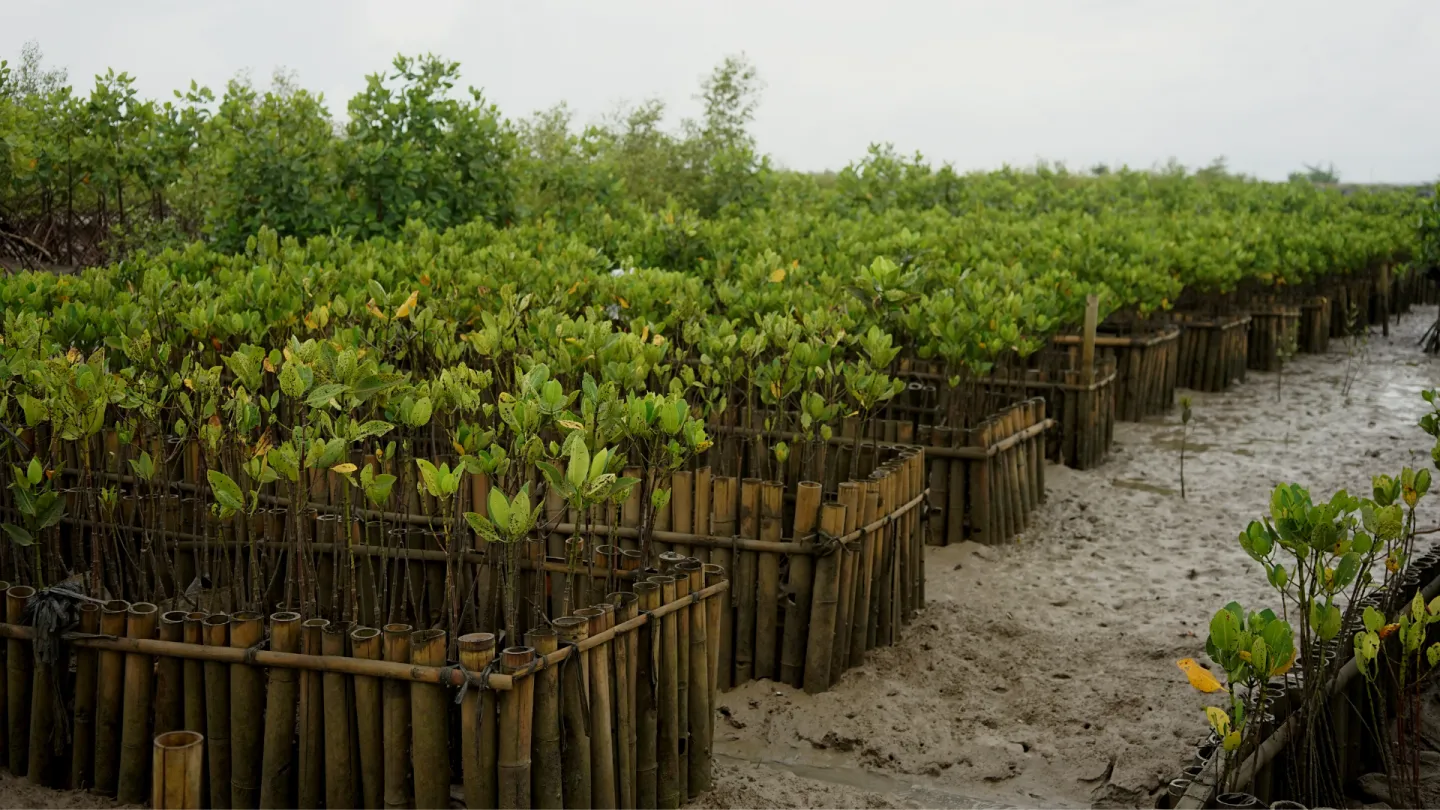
(365, 642)
(176, 770)
(514, 659)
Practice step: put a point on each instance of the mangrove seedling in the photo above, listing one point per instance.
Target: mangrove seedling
(1185, 414)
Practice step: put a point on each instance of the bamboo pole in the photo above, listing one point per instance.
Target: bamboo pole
(42, 737)
(217, 711)
(339, 765)
(478, 740)
(281, 694)
(311, 732)
(714, 575)
(682, 508)
(682, 678)
(516, 716)
(603, 793)
(247, 714)
(19, 666)
(4, 693)
(746, 573)
(851, 496)
(366, 644)
(624, 694)
(396, 696)
(647, 700)
(110, 699)
(546, 787)
(697, 707)
(82, 760)
(429, 736)
(667, 715)
(574, 719)
(135, 739)
(767, 591)
(873, 592)
(176, 770)
(194, 674)
(821, 640)
(170, 677)
(723, 524)
(801, 585)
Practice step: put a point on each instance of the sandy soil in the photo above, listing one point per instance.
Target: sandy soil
(1042, 673)
(16, 794)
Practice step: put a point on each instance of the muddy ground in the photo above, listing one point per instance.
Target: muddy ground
(1043, 673)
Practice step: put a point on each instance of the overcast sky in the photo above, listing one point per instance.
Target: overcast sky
(1269, 84)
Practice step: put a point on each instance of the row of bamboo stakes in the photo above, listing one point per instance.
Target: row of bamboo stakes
(312, 713)
(1213, 351)
(1147, 367)
(1273, 337)
(1314, 334)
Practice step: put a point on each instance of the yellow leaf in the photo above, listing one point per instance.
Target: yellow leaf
(343, 469)
(657, 340)
(459, 448)
(795, 263)
(572, 425)
(777, 275)
(269, 366)
(374, 310)
(1285, 667)
(1388, 630)
(404, 310)
(623, 303)
(189, 384)
(573, 288)
(645, 334)
(1219, 720)
(1231, 741)
(1199, 677)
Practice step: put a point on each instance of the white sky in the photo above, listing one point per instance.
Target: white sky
(1267, 83)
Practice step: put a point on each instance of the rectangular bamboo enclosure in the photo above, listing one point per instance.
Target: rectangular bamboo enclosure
(1213, 351)
(1314, 335)
(1146, 368)
(1274, 332)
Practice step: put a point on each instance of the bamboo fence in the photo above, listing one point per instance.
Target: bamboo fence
(1274, 333)
(1213, 351)
(1314, 335)
(1146, 366)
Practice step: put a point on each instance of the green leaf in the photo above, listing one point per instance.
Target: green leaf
(18, 535)
(378, 491)
(429, 476)
(420, 414)
(1373, 618)
(227, 493)
(499, 508)
(34, 472)
(324, 395)
(576, 472)
(373, 428)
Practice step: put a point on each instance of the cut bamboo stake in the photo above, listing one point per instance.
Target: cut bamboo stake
(478, 741)
(546, 787)
(82, 761)
(801, 585)
(110, 699)
(365, 643)
(714, 575)
(682, 679)
(19, 666)
(697, 707)
(281, 700)
(874, 589)
(135, 739)
(823, 615)
(624, 709)
(4, 692)
(170, 677)
(339, 766)
(311, 732)
(217, 711)
(603, 794)
(723, 525)
(516, 716)
(247, 714)
(647, 703)
(39, 769)
(575, 722)
(396, 695)
(429, 735)
(746, 572)
(767, 590)
(667, 717)
(176, 770)
(194, 672)
(852, 496)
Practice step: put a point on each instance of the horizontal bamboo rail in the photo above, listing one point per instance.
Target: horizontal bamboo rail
(443, 675)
